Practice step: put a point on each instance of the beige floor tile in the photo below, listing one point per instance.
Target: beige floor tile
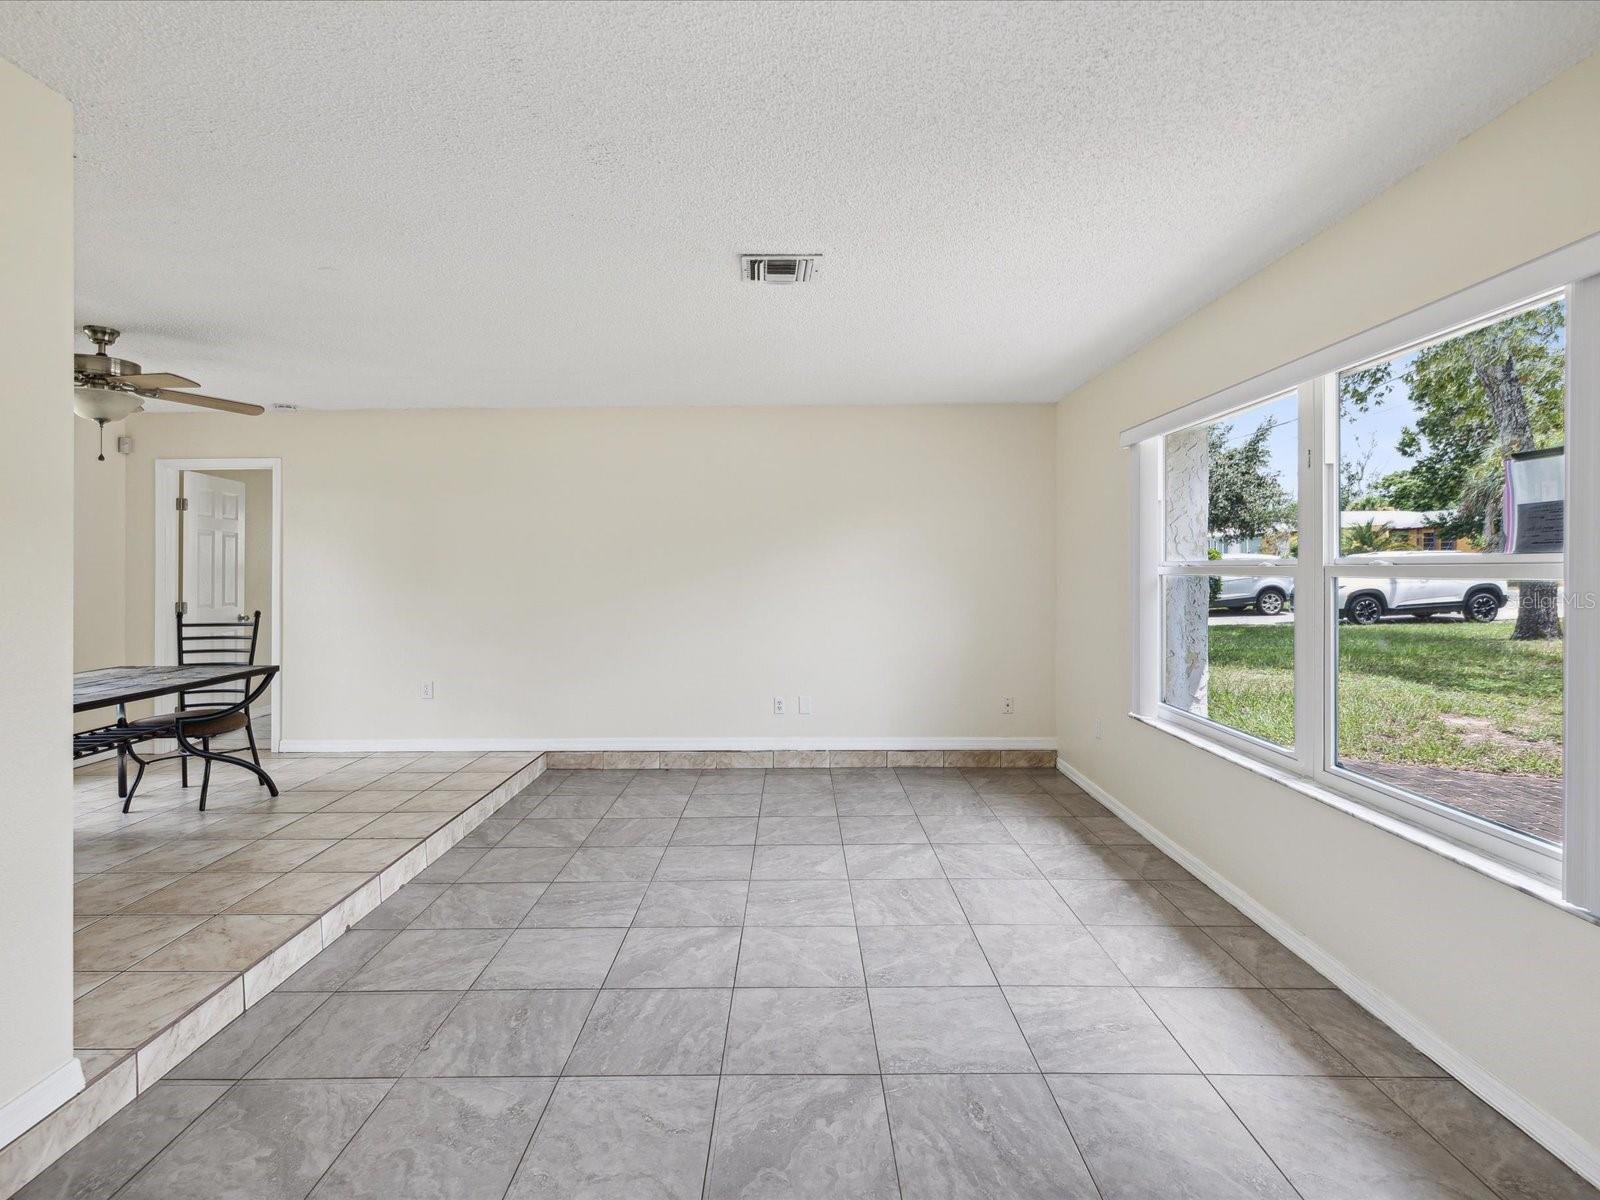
(360, 854)
(310, 893)
(184, 855)
(416, 781)
(127, 1011)
(204, 893)
(112, 892)
(294, 800)
(403, 825)
(84, 982)
(272, 856)
(325, 825)
(226, 943)
(116, 943)
(466, 781)
(372, 800)
(441, 800)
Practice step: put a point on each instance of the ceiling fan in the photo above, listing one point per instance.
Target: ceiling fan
(108, 389)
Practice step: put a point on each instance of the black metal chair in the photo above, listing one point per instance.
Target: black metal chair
(208, 643)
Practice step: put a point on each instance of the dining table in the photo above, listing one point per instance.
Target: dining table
(117, 687)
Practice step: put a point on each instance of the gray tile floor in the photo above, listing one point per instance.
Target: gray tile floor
(874, 983)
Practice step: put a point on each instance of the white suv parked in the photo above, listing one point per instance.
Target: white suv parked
(1364, 601)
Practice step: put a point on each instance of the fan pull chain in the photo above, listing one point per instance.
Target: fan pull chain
(102, 427)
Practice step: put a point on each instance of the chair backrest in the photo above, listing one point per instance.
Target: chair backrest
(206, 643)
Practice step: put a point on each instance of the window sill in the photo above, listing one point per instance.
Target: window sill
(1483, 864)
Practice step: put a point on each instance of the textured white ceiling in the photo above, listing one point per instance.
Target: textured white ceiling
(473, 204)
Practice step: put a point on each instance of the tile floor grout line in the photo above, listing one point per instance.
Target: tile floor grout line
(166, 1144)
(426, 1045)
(1488, 1186)
(561, 1075)
(877, 1054)
(1217, 1092)
(1043, 1079)
(722, 1063)
(332, 1162)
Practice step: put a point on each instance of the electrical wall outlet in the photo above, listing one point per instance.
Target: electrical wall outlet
(805, 706)
(779, 706)
(1008, 705)
(1098, 729)
(427, 690)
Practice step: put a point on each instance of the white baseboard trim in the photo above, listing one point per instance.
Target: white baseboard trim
(22, 1113)
(535, 745)
(1551, 1133)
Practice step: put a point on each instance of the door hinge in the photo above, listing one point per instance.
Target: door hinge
(181, 607)
(183, 504)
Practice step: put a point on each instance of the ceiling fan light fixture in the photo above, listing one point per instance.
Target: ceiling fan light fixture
(106, 388)
(105, 404)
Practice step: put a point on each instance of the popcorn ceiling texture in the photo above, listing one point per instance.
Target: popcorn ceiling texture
(467, 204)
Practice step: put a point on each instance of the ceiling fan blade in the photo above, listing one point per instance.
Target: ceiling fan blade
(157, 379)
(216, 402)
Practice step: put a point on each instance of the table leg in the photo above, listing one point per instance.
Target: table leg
(122, 757)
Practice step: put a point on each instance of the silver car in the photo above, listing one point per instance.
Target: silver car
(1268, 594)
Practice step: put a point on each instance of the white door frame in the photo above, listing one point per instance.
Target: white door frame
(169, 473)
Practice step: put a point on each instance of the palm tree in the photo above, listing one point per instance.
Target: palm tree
(1370, 538)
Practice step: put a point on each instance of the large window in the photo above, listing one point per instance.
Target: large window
(1357, 570)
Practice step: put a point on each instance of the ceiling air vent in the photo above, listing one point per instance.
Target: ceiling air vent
(778, 268)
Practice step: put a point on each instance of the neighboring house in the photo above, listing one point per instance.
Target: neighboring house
(1423, 530)
(1228, 543)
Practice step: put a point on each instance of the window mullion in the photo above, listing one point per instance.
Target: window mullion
(1454, 565)
(1310, 603)
(1230, 570)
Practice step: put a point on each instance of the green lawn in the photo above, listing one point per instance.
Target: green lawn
(1445, 694)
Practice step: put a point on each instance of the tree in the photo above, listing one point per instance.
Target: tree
(1354, 462)
(1247, 499)
(1479, 397)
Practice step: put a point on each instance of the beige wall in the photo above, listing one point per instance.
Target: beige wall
(36, 604)
(1508, 982)
(648, 573)
(99, 550)
(257, 550)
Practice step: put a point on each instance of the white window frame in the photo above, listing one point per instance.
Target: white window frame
(1574, 867)
(1257, 566)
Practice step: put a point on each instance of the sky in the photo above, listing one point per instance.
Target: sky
(1381, 423)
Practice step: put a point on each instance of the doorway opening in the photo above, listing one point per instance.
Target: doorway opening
(218, 556)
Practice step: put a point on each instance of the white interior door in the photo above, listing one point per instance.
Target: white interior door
(213, 548)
